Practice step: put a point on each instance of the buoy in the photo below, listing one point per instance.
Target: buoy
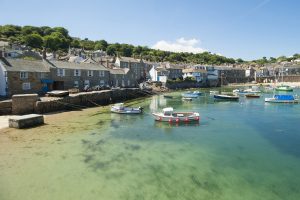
(197, 118)
(177, 120)
(186, 119)
(160, 119)
(170, 120)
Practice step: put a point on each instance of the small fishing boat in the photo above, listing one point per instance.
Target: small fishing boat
(252, 95)
(284, 88)
(212, 92)
(168, 97)
(226, 97)
(190, 95)
(187, 99)
(121, 109)
(168, 115)
(197, 93)
(58, 93)
(282, 99)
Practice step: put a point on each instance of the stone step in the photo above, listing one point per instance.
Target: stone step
(26, 121)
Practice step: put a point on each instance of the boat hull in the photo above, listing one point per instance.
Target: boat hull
(190, 95)
(177, 117)
(226, 97)
(126, 110)
(273, 100)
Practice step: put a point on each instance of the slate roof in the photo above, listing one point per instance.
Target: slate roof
(69, 65)
(129, 59)
(119, 71)
(194, 70)
(23, 65)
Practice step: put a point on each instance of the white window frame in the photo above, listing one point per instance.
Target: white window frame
(60, 72)
(23, 75)
(26, 86)
(102, 83)
(90, 73)
(101, 73)
(86, 82)
(77, 72)
(76, 84)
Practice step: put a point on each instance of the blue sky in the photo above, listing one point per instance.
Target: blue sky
(234, 28)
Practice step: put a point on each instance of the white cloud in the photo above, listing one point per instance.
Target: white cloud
(180, 45)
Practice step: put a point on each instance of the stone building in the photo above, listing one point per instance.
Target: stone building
(18, 76)
(66, 75)
(231, 75)
(137, 66)
(122, 78)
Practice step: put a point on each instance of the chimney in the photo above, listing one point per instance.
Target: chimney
(107, 63)
(44, 54)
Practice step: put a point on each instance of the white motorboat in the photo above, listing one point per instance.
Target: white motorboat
(121, 109)
(282, 99)
(168, 115)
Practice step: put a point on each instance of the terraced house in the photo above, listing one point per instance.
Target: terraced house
(18, 76)
(137, 66)
(66, 75)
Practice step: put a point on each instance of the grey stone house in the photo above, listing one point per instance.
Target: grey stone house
(122, 78)
(19, 76)
(137, 66)
(231, 75)
(66, 75)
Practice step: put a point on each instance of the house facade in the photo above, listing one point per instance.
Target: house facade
(122, 78)
(66, 75)
(200, 75)
(137, 66)
(159, 74)
(18, 76)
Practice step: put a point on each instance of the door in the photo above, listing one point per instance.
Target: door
(58, 85)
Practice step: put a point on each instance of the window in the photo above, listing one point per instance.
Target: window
(90, 73)
(102, 83)
(87, 83)
(76, 84)
(42, 75)
(77, 72)
(26, 86)
(23, 75)
(60, 72)
(101, 73)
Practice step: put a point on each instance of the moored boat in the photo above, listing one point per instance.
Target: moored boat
(187, 99)
(252, 95)
(121, 109)
(189, 95)
(168, 97)
(226, 97)
(168, 115)
(284, 88)
(212, 92)
(282, 99)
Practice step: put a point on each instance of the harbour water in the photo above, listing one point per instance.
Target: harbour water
(240, 150)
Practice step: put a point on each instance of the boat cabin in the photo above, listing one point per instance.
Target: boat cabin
(168, 111)
(284, 97)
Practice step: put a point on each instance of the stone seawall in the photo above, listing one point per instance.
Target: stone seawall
(5, 107)
(30, 103)
(87, 99)
(184, 85)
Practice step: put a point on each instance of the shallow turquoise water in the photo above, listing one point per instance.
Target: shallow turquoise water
(239, 150)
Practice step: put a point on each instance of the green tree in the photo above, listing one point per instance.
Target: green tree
(53, 41)
(111, 50)
(33, 40)
(101, 45)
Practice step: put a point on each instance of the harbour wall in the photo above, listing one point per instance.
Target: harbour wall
(289, 78)
(30, 103)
